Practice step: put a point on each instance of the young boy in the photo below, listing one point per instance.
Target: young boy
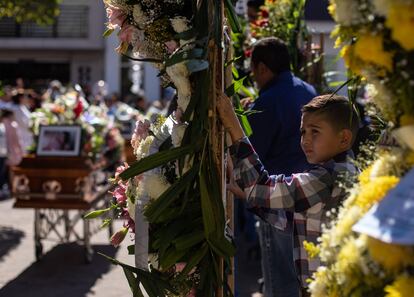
(329, 126)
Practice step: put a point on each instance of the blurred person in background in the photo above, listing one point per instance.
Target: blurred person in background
(19, 106)
(253, 8)
(11, 152)
(112, 103)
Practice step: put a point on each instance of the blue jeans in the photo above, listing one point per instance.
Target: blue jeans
(280, 278)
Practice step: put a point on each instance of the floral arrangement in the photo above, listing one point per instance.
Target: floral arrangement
(374, 45)
(171, 196)
(98, 136)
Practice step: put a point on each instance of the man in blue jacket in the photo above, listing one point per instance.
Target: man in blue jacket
(276, 138)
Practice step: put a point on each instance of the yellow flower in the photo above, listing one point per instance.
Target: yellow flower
(403, 286)
(365, 176)
(401, 22)
(348, 54)
(312, 250)
(375, 190)
(332, 9)
(348, 256)
(369, 48)
(391, 256)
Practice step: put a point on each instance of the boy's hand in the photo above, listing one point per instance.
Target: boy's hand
(231, 184)
(246, 102)
(229, 118)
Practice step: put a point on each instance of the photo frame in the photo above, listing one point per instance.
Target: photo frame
(59, 141)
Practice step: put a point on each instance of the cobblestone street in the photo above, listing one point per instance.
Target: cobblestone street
(62, 271)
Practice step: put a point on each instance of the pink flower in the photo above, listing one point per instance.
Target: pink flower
(140, 132)
(127, 33)
(121, 169)
(116, 17)
(130, 224)
(192, 293)
(120, 194)
(171, 46)
(118, 237)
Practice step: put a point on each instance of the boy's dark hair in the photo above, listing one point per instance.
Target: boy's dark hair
(272, 52)
(337, 110)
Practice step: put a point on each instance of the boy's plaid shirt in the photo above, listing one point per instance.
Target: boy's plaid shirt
(308, 195)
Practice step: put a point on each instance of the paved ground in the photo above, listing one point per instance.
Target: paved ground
(62, 271)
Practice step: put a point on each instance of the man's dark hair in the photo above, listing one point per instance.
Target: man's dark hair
(255, 3)
(337, 110)
(272, 52)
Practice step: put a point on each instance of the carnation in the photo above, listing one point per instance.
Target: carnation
(144, 147)
(180, 77)
(346, 12)
(180, 24)
(139, 16)
(178, 134)
(155, 184)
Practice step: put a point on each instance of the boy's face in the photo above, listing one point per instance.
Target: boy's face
(320, 140)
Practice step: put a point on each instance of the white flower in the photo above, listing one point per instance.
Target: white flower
(181, 24)
(318, 286)
(180, 77)
(178, 134)
(144, 147)
(154, 184)
(382, 97)
(348, 12)
(139, 16)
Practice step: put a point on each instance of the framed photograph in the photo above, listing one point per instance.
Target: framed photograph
(59, 141)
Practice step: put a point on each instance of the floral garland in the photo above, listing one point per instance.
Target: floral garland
(164, 196)
(375, 45)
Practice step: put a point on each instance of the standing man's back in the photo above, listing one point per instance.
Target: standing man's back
(276, 138)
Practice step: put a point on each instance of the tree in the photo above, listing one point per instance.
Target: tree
(39, 11)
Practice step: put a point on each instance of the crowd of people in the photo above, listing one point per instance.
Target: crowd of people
(18, 104)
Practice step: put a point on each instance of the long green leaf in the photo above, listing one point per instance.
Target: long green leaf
(235, 86)
(133, 283)
(171, 257)
(157, 207)
(194, 260)
(187, 241)
(155, 160)
(221, 246)
(145, 276)
(232, 17)
(206, 207)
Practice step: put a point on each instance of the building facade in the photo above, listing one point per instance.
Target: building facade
(71, 50)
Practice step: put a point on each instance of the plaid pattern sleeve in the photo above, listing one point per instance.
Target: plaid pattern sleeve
(295, 193)
(309, 195)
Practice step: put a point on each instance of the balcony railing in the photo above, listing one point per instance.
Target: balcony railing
(72, 22)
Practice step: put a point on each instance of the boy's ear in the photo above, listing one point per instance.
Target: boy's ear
(346, 138)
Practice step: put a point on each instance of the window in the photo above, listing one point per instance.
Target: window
(72, 22)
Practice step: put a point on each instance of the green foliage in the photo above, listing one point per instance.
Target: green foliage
(40, 11)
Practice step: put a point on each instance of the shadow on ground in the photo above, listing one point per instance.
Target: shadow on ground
(9, 239)
(62, 272)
